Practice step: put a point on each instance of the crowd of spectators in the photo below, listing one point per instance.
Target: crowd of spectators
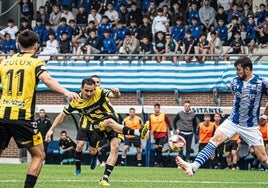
(155, 29)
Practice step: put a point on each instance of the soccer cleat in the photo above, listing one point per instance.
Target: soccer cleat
(185, 166)
(144, 130)
(77, 172)
(104, 183)
(93, 163)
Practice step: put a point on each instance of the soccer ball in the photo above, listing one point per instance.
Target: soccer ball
(176, 142)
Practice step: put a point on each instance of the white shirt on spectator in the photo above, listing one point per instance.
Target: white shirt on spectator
(69, 16)
(91, 18)
(226, 4)
(160, 23)
(256, 5)
(11, 30)
(112, 15)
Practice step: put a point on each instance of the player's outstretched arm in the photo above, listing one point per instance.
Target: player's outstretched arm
(115, 93)
(58, 120)
(55, 86)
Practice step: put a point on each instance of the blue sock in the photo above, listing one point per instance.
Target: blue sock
(205, 154)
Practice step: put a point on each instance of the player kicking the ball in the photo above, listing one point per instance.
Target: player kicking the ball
(247, 89)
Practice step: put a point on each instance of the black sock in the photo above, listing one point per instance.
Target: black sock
(78, 158)
(95, 156)
(30, 181)
(107, 172)
(127, 131)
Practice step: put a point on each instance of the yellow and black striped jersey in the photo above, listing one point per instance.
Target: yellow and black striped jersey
(19, 79)
(93, 109)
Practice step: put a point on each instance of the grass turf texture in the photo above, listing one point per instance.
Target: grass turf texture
(127, 177)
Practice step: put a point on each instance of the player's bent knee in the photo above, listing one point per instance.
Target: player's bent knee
(79, 146)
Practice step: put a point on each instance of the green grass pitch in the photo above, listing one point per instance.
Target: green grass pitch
(61, 176)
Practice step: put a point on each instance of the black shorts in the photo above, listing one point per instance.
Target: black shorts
(25, 133)
(231, 145)
(136, 141)
(160, 141)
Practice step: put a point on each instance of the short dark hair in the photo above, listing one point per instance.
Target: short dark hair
(187, 101)
(27, 38)
(156, 104)
(63, 132)
(131, 108)
(88, 81)
(244, 62)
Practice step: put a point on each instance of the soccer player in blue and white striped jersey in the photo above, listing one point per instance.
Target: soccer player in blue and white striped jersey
(247, 89)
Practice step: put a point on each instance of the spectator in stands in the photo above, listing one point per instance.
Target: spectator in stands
(67, 14)
(206, 15)
(92, 46)
(132, 121)
(231, 150)
(42, 14)
(124, 15)
(9, 45)
(222, 31)
(233, 13)
(135, 13)
(152, 10)
(98, 5)
(251, 34)
(256, 5)
(105, 25)
(146, 48)
(109, 44)
(77, 35)
(241, 4)
(211, 29)
(43, 124)
(51, 47)
(95, 16)
(145, 6)
(167, 13)
(160, 46)
(234, 27)
(112, 14)
(237, 46)
(178, 31)
(195, 29)
(39, 29)
(25, 25)
(26, 9)
(146, 28)
(131, 45)
(118, 3)
(120, 33)
(215, 44)
(193, 13)
(188, 46)
(133, 28)
(262, 30)
(202, 48)
(82, 16)
(160, 23)
(221, 15)
(85, 4)
(67, 4)
(246, 13)
(54, 17)
(64, 44)
(64, 28)
(49, 6)
(199, 4)
(172, 49)
(66, 147)
(90, 26)
(205, 132)
(226, 4)
(178, 12)
(46, 33)
(11, 29)
(261, 14)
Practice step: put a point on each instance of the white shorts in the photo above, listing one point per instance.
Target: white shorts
(251, 135)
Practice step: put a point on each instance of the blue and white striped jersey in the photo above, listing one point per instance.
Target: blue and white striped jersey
(247, 100)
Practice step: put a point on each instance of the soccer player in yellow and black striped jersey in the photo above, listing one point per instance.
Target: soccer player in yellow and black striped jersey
(19, 78)
(100, 117)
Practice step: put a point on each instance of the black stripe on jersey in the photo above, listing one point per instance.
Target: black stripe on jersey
(22, 114)
(7, 113)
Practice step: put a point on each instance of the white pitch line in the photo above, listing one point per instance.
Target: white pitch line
(146, 181)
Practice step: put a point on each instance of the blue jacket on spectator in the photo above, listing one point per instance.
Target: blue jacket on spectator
(109, 45)
(86, 3)
(193, 14)
(178, 32)
(261, 16)
(145, 5)
(62, 29)
(9, 45)
(40, 31)
(196, 31)
(120, 33)
(231, 14)
(46, 33)
(250, 32)
(102, 28)
(67, 3)
(223, 32)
